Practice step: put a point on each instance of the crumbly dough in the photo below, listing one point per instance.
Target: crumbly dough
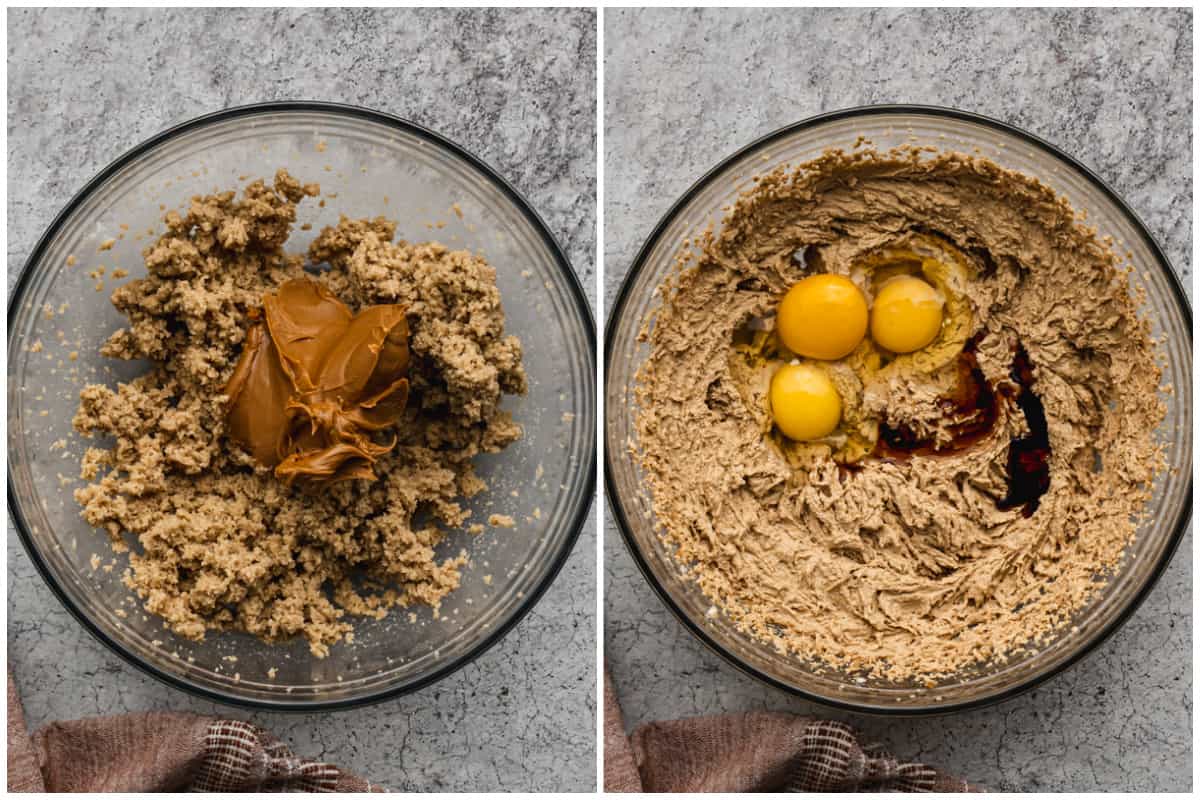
(903, 569)
(221, 542)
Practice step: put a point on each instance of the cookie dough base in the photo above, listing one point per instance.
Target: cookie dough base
(219, 542)
(905, 569)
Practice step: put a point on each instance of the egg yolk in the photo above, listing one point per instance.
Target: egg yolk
(907, 314)
(804, 402)
(823, 316)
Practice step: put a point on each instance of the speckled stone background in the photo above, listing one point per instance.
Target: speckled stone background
(685, 88)
(516, 88)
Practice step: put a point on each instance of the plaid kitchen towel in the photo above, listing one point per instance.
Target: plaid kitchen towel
(160, 752)
(755, 752)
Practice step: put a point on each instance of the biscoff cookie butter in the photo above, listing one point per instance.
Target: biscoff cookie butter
(976, 492)
(303, 436)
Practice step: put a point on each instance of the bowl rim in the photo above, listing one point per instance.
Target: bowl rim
(578, 299)
(622, 298)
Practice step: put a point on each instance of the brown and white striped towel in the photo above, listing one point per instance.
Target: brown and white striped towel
(755, 752)
(160, 752)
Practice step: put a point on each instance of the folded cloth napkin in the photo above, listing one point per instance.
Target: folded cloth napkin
(756, 752)
(160, 752)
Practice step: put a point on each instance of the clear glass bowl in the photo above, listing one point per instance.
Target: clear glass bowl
(375, 164)
(888, 126)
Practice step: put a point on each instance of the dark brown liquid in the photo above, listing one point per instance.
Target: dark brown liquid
(1028, 455)
(974, 406)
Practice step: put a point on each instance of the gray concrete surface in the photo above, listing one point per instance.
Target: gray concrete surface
(684, 88)
(517, 89)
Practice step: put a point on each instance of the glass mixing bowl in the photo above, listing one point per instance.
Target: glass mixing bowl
(375, 164)
(888, 126)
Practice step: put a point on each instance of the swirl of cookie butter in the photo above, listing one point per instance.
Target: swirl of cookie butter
(314, 381)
